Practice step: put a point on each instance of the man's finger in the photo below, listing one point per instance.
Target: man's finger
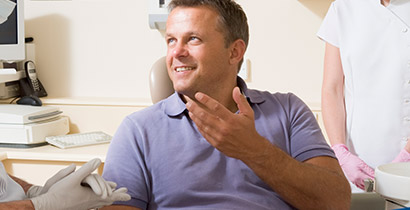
(242, 103)
(205, 121)
(212, 105)
(201, 115)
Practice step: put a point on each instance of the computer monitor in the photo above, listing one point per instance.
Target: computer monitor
(12, 45)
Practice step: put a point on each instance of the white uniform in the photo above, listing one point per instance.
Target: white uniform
(9, 189)
(374, 43)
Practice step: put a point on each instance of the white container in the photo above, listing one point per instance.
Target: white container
(392, 181)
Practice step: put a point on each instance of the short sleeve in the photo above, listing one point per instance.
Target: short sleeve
(307, 140)
(329, 30)
(125, 164)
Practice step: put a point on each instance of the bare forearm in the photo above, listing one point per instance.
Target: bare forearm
(25, 185)
(333, 106)
(17, 205)
(334, 116)
(319, 184)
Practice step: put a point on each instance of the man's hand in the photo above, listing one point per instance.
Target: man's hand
(355, 168)
(69, 193)
(232, 134)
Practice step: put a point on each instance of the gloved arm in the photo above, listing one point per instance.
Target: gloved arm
(69, 193)
(355, 168)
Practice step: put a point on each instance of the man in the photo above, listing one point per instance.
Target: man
(214, 143)
(68, 189)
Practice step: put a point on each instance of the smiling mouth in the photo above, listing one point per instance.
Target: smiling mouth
(182, 69)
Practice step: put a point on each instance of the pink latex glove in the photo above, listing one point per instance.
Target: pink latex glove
(403, 156)
(355, 168)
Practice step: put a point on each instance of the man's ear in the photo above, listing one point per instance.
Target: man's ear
(238, 48)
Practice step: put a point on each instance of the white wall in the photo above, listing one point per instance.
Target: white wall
(97, 48)
(105, 48)
(285, 53)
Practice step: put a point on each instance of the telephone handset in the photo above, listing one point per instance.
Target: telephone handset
(31, 85)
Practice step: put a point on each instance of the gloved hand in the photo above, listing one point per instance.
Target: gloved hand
(355, 168)
(96, 182)
(69, 193)
(403, 156)
(36, 190)
(99, 185)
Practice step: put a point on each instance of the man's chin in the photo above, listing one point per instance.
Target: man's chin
(185, 93)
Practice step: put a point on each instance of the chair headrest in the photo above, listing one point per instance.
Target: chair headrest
(159, 82)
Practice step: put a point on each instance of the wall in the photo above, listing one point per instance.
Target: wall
(102, 50)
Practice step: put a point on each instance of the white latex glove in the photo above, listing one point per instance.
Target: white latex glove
(69, 193)
(99, 185)
(36, 190)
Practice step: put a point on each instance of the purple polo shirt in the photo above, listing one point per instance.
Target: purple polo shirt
(163, 160)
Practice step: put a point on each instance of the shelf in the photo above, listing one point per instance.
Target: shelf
(93, 101)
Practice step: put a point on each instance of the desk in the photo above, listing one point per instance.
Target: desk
(36, 165)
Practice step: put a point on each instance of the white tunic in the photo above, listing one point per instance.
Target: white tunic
(9, 189)
(374, 43)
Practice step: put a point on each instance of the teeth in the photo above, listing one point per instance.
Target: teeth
(179, 69)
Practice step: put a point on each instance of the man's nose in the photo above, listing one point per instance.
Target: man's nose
(180, 50)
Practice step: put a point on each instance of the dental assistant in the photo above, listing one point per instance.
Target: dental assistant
(366, 84)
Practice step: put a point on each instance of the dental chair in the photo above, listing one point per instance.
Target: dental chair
(160, 84)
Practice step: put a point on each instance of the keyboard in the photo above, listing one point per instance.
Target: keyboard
(79, 139)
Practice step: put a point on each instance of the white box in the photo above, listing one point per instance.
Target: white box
(33, 133)
(27, 126)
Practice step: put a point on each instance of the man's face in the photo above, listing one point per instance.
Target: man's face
(197, 59)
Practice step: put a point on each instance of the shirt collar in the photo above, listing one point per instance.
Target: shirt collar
(174, 106)
(252, 96)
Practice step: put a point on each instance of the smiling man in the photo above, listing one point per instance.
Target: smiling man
(214, 143)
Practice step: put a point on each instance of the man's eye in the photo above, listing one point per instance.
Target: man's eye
(194, 40)
(170, 41)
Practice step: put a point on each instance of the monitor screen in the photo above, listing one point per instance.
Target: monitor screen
(12, 35)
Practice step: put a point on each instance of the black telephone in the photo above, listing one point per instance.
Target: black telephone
(31, 85)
